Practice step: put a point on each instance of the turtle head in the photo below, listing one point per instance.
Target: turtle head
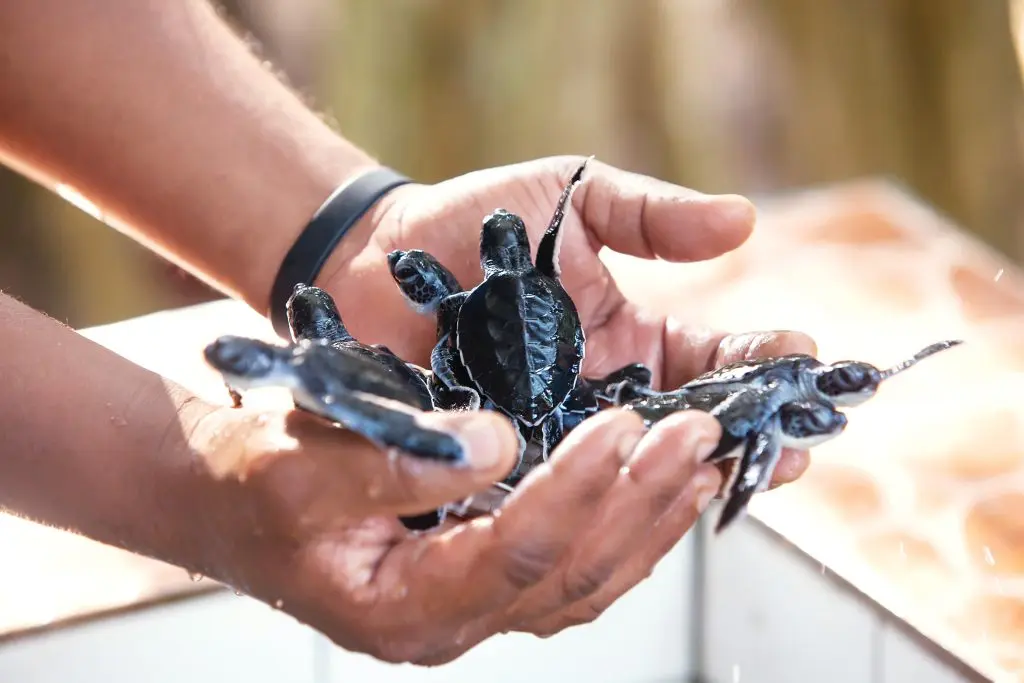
(504, 244)
(312, 314)
(245, 362)
(421, 278)
(805, 425)
(850, 383)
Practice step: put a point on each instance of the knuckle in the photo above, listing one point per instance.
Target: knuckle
(580, 616)
(664, 496)
(398, 650)
(584, 581)
(526, 563)
(586, 613)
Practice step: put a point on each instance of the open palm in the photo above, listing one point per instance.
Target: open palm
(625, 212)
(581, 529)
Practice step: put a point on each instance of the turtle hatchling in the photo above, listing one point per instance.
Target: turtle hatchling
(428, 286)
(342, 385)
(313, 316)
(515, 339)
(520, 330)
(764, 406)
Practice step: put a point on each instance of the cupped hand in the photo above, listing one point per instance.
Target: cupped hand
(625, 212)
(309, 525)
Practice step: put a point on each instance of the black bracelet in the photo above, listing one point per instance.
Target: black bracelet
(329, 224)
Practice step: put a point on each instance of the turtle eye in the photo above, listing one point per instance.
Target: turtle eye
(406, 273)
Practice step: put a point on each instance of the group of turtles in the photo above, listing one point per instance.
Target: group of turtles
(515, 344)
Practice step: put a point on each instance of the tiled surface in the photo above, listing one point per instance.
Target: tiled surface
(919, 503)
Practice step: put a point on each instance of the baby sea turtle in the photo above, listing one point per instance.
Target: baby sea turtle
(342, 382)
(428, 287)
(514, 342)
(313, 316)
(764, 406)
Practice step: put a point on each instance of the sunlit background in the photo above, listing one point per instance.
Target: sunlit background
(749, 96)
(723, 95)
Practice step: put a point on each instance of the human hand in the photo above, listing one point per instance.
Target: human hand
(611, 208)
(303, 517)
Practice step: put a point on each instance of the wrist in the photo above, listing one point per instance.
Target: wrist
(341, 230)
(212, 516)
(296, 206)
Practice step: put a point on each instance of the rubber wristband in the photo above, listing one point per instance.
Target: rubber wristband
(321, 236)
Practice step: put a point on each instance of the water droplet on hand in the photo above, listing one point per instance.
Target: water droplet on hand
(374, 489)
(118, 421)
(195, 577)
(239, 593)
(279, 603)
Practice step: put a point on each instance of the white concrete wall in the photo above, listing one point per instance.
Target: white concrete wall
(770, 618)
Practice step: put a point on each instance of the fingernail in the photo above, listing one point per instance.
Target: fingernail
(704, 497)
(628, 441)
(486, 436)
(706, 482)
(735, 208)
(706, 444)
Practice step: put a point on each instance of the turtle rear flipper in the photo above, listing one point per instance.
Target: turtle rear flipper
(752, 473)
(551, 242)
(386, 426)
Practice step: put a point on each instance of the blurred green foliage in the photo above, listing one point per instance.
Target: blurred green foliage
(725, 96)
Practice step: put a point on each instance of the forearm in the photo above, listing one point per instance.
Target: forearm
(159, 115)
(94, 443)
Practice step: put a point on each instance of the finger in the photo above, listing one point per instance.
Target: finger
(661, 467)
(484, 565)
(660, 539)
(751, 345)
(641, 216)
(329, 471)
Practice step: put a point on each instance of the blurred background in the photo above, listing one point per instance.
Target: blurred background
(748, 96)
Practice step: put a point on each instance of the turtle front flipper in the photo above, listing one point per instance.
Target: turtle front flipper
(552, 434)
(752, 474)
(747, 412)
(452, 394)
(453, 399)
(625, 384)
(386, 426)
(551, 242)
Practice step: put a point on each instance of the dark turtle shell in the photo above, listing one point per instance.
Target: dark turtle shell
(522, 343)
(396, 368)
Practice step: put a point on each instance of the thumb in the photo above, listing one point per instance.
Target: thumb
(368, 481)
(641, 216)
(491, 448)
